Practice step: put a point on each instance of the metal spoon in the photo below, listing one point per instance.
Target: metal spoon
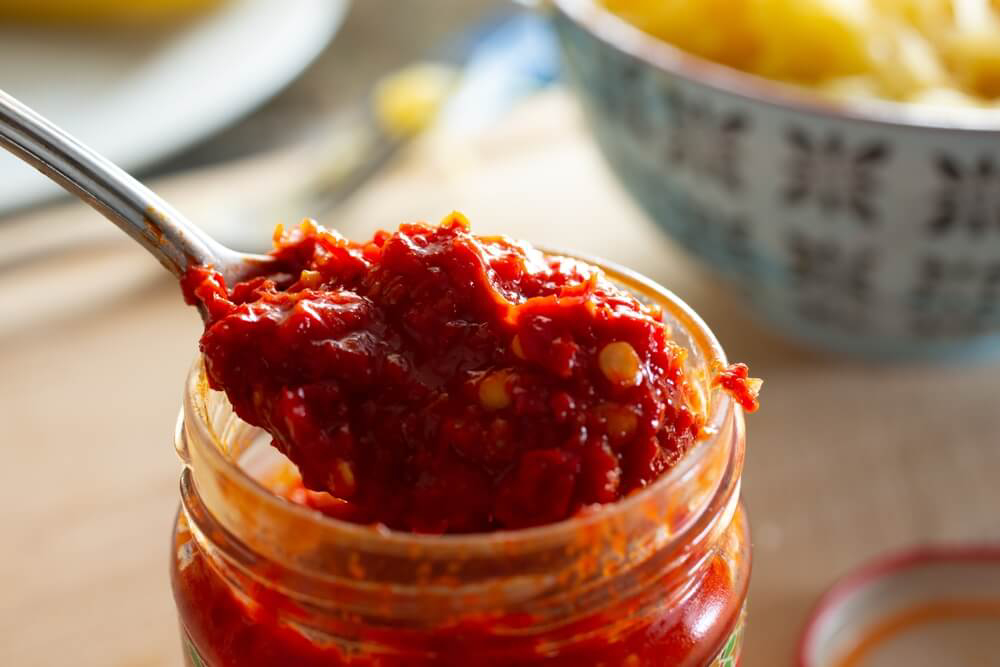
(158, 227)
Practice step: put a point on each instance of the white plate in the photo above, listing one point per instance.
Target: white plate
(138, 96)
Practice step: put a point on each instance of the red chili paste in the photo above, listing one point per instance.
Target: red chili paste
(247, 631)
(429, 365)
(434, 381)
(737, 381)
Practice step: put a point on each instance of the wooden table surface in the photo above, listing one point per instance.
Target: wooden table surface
(846, 460)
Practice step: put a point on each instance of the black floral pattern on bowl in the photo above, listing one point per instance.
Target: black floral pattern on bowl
(956, 298)
(835, 176)
(706, 140)
(968, 198)
(832, 284)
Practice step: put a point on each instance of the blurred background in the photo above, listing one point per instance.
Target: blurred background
(252, 112)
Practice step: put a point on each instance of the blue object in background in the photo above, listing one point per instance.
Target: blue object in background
(505, 59)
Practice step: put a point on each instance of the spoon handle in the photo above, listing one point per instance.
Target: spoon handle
(140, 213)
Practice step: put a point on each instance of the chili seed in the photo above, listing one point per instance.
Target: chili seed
(620, 364)
(493, 392)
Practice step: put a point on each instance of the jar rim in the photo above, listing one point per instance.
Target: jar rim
(720, 409)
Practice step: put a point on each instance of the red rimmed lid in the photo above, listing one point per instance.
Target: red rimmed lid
(932, 606)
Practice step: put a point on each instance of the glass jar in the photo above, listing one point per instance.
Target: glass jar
(657, 579)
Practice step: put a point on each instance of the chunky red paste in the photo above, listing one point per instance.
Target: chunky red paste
(430, 365)
(737, 381)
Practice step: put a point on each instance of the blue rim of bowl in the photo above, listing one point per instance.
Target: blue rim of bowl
(622, 35)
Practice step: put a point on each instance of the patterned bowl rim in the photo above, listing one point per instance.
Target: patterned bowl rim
(881, 568)
(622, 35)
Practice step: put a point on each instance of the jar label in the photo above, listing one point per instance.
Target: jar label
(729, 656)
(191, 656)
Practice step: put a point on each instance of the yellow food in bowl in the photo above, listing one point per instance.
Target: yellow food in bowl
(922, 51)
(91, 11)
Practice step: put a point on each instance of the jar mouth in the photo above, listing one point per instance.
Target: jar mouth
(719, 410)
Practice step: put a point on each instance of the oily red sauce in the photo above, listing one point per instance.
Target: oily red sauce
(438, 382)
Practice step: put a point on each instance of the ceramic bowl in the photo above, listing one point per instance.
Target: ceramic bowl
(872, 228)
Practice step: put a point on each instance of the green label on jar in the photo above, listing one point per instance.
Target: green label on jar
(191, 656)
(729, 656)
